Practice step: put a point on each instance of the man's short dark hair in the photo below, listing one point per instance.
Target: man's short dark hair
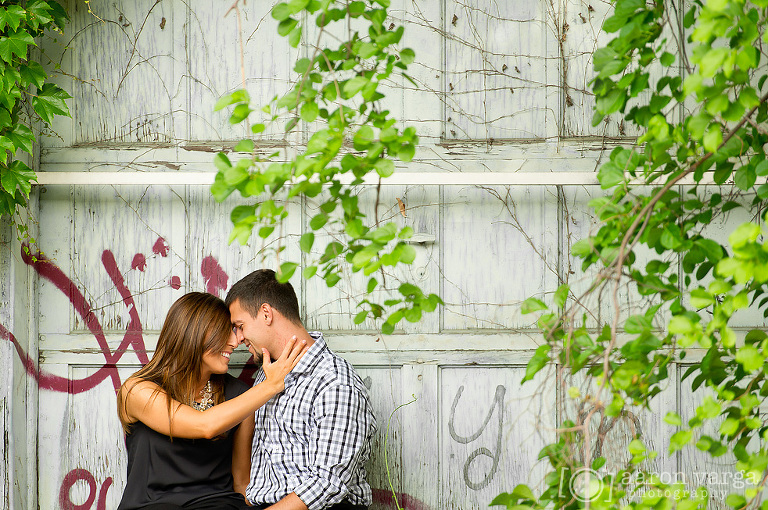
(261, 287)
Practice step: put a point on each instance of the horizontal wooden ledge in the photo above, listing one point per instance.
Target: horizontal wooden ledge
(397, 179)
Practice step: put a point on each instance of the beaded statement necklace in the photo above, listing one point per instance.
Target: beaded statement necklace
(206, 398)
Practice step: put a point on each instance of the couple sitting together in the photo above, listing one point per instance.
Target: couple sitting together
(197, 438)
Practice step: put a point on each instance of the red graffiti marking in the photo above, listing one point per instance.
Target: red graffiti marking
(161, 247)
(139, 262)
(50, 272)
(48, 381)
(215, 277)
(406, 501)
(75, 476)
(133, 333)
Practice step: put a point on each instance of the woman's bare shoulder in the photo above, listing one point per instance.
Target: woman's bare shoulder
(141, 388)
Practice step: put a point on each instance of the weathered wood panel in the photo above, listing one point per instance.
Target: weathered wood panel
(491, 433)
(141, 247)
(579, 28)
(334, 308)
(500, 247)
(125, 62)
(147, 78)
(7, 360)
(215, 66)
(579, 221)
(698, 469)
(422, 106)
(212, 262)
(497, 69)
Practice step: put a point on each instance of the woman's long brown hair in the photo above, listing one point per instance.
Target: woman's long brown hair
(196, 323)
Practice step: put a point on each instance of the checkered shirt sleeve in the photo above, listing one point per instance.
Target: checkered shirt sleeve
(314, 438)
(339, 444)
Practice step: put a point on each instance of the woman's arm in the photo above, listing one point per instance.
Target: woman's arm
(241, 455)
(146, 402)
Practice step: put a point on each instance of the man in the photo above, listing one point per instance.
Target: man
(310, 442)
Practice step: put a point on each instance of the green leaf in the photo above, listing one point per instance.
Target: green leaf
(286, 26)
(41, 12)
(309, 112)
(561, 295)
(407, 56)
(712, 138)
(363, 138)
(744, 234)
(406, 152)
(286, 271)
(239, 113)
(318, 221)
(673, 419)
(354, 85)
(745, 178)
(611, 102)
(50, 101)
(15, 44)
(306, 241)
(364, 256)
(309, 272)
(11, 16)
(531, 305)
(679, 440)
(384, 167)
(22, 137)
(7, 145)
(238, 96)
(610, 175)
(245, 146)
(583, 248)
(538, 361)
(637, 324)
(221, 161)
(17, 175)
(297, 5)
(762, 168)
(360, 317)
(295, 36)
(750, 358)
(729, 427)
(281, 11)
(32, 74)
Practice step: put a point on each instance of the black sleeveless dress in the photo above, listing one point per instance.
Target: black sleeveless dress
(189, 473)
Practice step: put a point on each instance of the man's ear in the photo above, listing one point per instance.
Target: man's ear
(267, 314)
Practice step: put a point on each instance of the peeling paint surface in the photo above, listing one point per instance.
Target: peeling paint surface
(502, 87)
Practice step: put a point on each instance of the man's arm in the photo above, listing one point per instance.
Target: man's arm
(290, 502)
(241, 455)
(339, 445)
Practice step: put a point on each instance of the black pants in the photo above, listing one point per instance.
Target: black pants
(341, 506)
(225, 503)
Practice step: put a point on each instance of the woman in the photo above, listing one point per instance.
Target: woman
(181, 413)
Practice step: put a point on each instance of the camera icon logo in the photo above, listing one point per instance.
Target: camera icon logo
(585, 484)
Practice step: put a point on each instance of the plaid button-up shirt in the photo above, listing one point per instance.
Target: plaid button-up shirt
(314, 438)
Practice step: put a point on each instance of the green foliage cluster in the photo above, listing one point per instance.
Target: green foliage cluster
(26, 96)
(701, 111)
(337, 90)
